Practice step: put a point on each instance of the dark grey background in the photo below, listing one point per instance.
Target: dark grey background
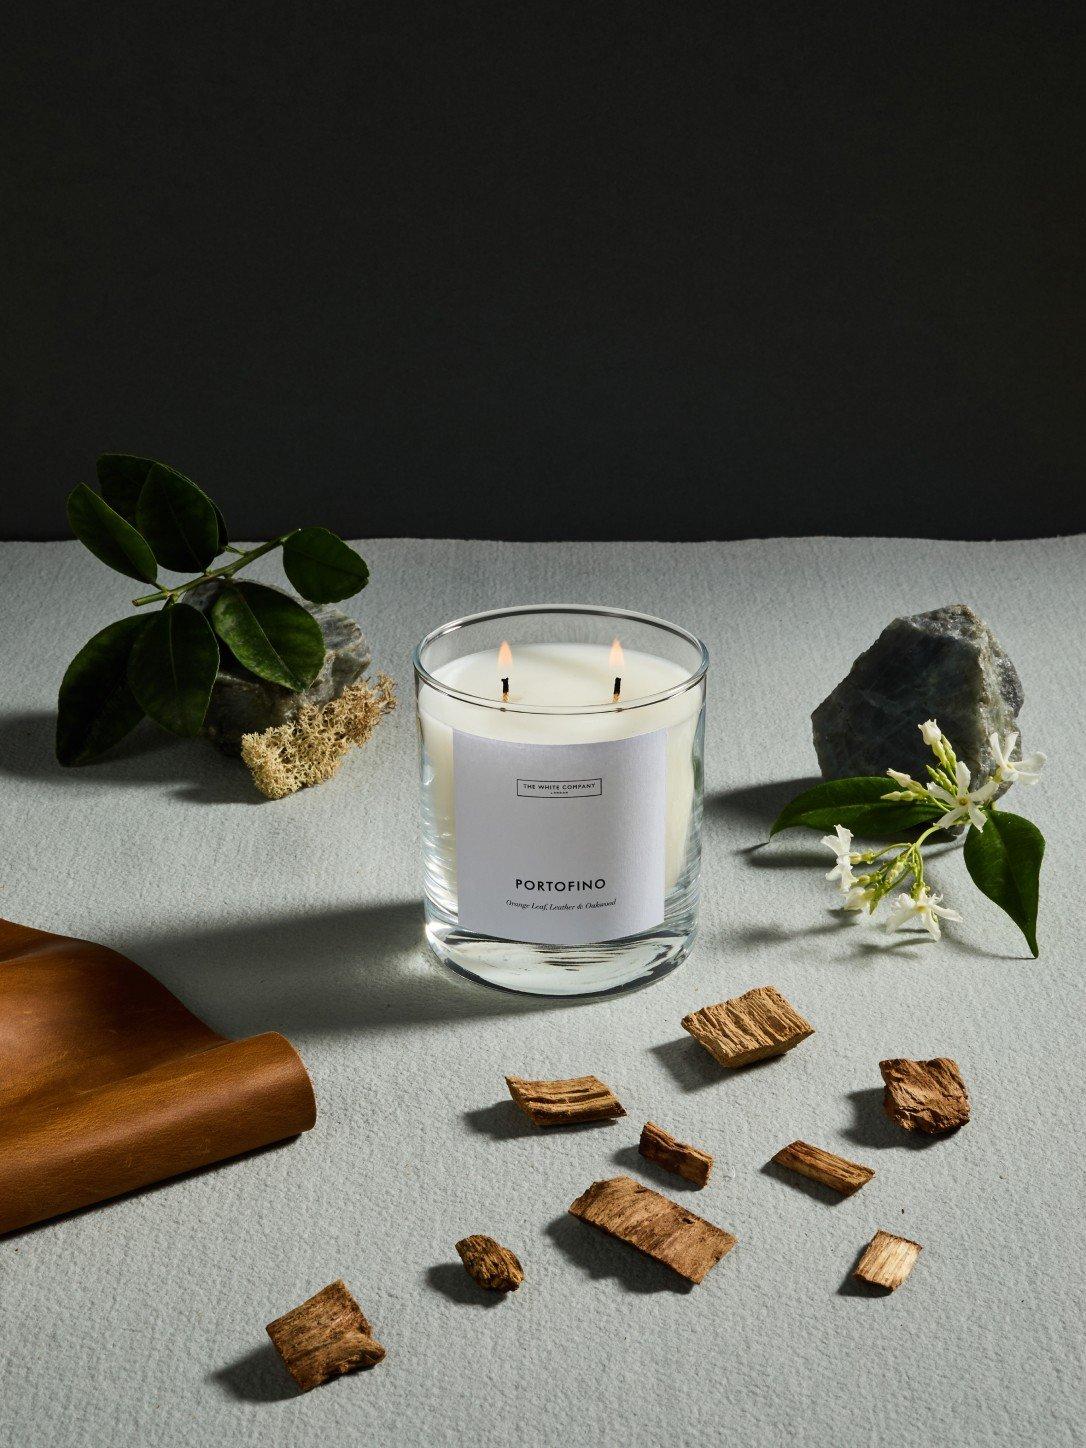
(550, 270)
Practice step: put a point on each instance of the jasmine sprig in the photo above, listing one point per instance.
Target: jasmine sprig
(1003, 852)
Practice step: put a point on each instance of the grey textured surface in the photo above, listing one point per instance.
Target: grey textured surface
(143, 1321)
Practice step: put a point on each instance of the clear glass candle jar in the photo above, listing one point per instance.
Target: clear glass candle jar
(560, 754)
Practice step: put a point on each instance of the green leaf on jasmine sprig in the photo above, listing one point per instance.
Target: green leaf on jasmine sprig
(1004, 861)
(96, 708)
(111, 538)
(858, 805)
(178, 519)
(120, 478)
(270, 633)
(172, 668)
(322, 567)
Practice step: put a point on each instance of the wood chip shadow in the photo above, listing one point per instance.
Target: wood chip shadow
(854, 1286)
(631, 1160)
(600, 1256)
(817, 1191)
(453, 1282)
(871, 1127)
(693, 1068)
(258, 1376)
(504, 1121)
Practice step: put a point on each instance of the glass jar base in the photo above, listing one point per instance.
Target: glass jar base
(558, 970)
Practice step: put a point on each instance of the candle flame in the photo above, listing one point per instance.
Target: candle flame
(617, 657)
(505, 656)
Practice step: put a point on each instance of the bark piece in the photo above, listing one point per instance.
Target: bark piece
(928, 1096)
(564, 1103)
(655, 1225)
(688, 1161)
(492, 1265)
(838, 1172)
(887, 1260)
(326, 1336)
(748, 1027)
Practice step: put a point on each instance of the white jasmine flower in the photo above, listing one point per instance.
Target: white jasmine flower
(859, 898)
(924, 907)
(1012, 771)
(841, 844)
(930, 732)
(963, 803)
(910, 788)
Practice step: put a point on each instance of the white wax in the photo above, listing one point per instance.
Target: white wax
(563, 674)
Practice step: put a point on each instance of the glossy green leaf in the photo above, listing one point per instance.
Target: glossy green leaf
(224, 536)
(96, 707)
(178, 519)
(858, 805)
(1004, 861)
(120, 478)
(172, 668)
(322, 567)
(270, 633)
(108, 536)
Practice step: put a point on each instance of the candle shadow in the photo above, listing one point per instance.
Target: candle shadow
(353, 969)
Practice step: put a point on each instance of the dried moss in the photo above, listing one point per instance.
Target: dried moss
(310, 748)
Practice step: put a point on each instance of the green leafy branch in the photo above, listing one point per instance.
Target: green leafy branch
(163, 664)
(1003, 851)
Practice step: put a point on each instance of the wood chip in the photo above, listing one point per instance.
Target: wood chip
(492, 1265)
(838, 1172)
(325, 1337)
(928, 1096)
(564, 1103)
(660, 1146)
(887, 1260)
(655, 1225)
(748, 1027)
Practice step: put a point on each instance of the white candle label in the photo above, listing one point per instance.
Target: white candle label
(560, 844)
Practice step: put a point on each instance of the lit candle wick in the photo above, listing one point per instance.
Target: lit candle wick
(505, 660)
(505, 691)
(617, 659)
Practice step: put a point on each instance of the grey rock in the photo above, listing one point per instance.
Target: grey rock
(945, 665)
(242, 703)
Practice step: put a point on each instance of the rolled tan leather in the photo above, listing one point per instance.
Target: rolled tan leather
(107, 1082)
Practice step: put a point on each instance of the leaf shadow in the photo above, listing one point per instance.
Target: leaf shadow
(148, 757)
(756, 805)
(600, 1256)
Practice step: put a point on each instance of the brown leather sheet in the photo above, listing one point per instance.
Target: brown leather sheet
(108, 1083)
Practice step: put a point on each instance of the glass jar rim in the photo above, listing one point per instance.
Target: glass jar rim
(598, 610)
